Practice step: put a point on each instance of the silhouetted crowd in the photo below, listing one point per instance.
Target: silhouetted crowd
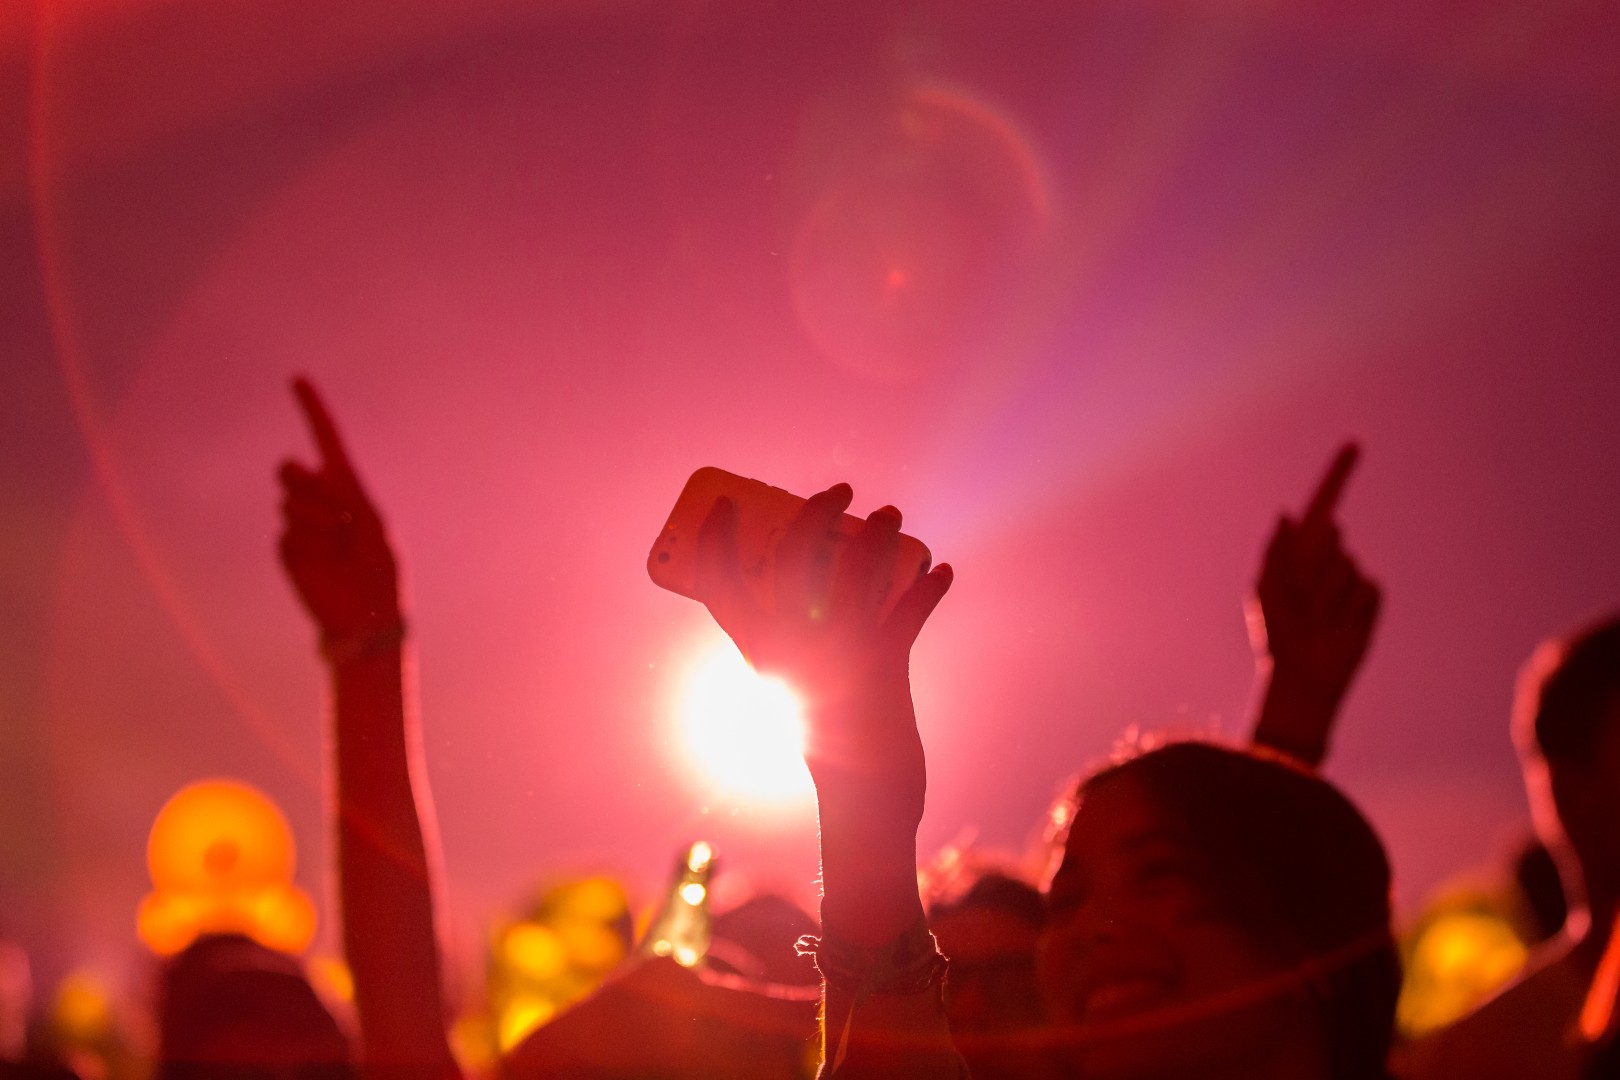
(1210, 910)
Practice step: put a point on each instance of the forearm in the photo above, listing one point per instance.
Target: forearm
(867, 763)
(386, 864)
(885, 1015)
(1292, 714)
(868, 878)
(884, 1012)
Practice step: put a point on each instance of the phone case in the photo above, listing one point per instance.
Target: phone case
(763, 514)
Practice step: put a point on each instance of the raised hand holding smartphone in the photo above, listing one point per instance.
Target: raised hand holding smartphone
(763, 515)
(834, 609)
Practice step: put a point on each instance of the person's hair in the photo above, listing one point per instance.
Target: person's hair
(1569, 692)
(232, 1009)
(1296, 866)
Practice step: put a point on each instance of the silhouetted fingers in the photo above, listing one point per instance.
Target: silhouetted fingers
(334, 458)
(1317, 557)
(298, 482)
(862, 578)
(313, 514)
(804, 558)
(1333, 586)
(301, 547)
(919, 602)
(1325, 500)
(1277, 564)
(1352, 591)
(324, 498)
(1365, 603)
(295, 477)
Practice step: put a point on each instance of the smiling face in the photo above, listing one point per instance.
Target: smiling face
(1141, 964)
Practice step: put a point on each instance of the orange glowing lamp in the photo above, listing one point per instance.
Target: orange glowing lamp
(222, 856)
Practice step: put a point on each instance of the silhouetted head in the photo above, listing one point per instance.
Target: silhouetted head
(988, 921)
(1216, 912)
(988, 926)
(1566, 725)
(232, 1009)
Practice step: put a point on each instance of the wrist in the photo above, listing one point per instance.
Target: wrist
(846, 699)
(905, 963)
(385, 639)
(1296, 718)
(1290, 685)
(874, 797)
(869, 900)
(868, 869)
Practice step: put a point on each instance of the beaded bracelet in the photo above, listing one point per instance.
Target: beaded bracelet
(910, 964)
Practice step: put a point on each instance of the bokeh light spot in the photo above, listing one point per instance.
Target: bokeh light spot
(222, 856)
(332, 977)
(1455, 962)
(597, 899)
(83, 1008)
(591, 946)
(521, 1016)
(535, 950)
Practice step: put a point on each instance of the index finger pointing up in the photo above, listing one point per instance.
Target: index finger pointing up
(1326, 497)
(333, 457)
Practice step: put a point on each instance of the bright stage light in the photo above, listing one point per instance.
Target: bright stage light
(746, 733)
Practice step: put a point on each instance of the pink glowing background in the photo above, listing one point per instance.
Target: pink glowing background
(1090, 290)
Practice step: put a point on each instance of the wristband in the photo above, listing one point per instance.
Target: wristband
(909, 964)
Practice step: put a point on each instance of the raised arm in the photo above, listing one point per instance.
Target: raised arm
(336, 553)
(1310, 620)
(828, 636)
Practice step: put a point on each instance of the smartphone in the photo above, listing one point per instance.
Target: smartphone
(763, 514)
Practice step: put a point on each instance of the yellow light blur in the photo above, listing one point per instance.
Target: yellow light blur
(686, 956)
(591, 946)
(699, 858)
(283, 918)
(600, 899)
(522, 1015)
(535, 951)
(166, 922)
(570, 937)
(219, 834)
(472, 1041)
(332, 977)
(1459, 958)
(693, 893)
(221, 857)
(82, 1011)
